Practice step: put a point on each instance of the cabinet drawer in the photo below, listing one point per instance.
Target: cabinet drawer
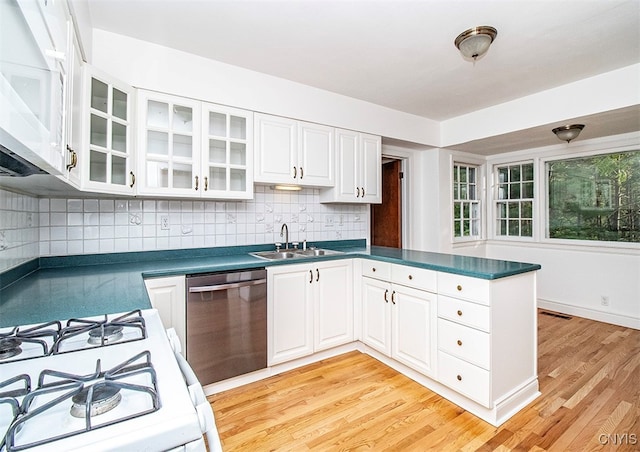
(467, 379)
(464, 312)
(377, 270)
(464, 342)
(465, 287)
(419, 278)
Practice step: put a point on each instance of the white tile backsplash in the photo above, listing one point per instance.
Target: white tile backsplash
(32, 227)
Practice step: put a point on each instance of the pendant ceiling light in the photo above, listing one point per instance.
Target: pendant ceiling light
(568, 133)
(475, 42)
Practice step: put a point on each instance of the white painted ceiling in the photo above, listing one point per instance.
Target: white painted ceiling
(399, 54)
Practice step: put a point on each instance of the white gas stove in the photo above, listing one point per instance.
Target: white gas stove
(102, 383)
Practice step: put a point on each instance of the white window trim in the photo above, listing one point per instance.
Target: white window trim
(492, 200)
(481, 185)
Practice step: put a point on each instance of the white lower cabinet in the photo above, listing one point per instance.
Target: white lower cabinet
(169, 297)
(399, 321)
(309, 308)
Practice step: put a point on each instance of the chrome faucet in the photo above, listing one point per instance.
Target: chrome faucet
(285, 230)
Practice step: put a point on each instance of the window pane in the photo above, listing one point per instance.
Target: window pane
(527, 172)
(527, 190)
(514, 210)
(503, 191)
(527, 229)
(502, 227)
(472, 175)
(514, 228)
(456, 191)
(456, 229)
(503, 175)
(514, 191)
(456, 210)
(514, 173)
(502, 210)
(582, 204)
(527, 209)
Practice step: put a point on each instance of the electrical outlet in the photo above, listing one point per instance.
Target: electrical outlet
(164, 222)
(604, 300)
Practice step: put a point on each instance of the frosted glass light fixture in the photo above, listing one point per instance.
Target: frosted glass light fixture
(568, 133)
(475, 41)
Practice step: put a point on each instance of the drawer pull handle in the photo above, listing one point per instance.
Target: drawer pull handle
(459, 287)
(459, 377)
(410, 277)
(459, 342)
(460, 313)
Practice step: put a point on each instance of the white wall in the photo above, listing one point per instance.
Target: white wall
(151, 66)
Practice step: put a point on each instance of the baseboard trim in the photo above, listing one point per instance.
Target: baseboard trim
(591, 314)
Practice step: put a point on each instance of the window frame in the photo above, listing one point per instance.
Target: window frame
(495, 200)
(544, 204)
(479, 198)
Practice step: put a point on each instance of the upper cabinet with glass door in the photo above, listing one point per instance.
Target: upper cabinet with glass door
(169, 145)
(107, 158)
(227, 152)
(192, 149)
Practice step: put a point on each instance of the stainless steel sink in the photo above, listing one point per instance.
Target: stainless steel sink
(275, 255)
(293, 254)
(317, 252)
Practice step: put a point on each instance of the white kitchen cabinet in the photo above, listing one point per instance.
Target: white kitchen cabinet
(106, 156)
(333, 304)
(227, 152)
(189, 148)
(168, 296)
(400, 321)
(33, 77)
(289, 313)
(293, 152)
(358, 169)
(169, 141)
(310, 308)
(486, 339)
(75, 109)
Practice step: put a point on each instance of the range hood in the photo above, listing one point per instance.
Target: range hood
(11, 164)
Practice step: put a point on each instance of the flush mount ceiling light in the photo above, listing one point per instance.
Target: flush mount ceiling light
(475, 42)
(568, 133)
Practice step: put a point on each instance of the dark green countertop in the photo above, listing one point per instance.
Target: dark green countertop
(78, 286)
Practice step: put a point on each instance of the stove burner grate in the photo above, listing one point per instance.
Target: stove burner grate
(38, 340)
(61, 387)
(125, 328)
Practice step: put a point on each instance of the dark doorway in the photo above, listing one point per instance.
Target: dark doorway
(386, 218)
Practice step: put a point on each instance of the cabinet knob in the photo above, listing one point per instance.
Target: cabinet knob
(410, 277)
(459, 287)
(459, 342)
(460, 313)
(373, 269)
(459, 377)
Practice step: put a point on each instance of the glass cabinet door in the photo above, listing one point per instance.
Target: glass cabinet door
(109, 135)
(170, 145)
(227, 152)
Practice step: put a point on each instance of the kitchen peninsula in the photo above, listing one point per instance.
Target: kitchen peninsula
(450, 322)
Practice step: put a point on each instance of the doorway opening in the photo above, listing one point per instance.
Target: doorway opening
(386, 218)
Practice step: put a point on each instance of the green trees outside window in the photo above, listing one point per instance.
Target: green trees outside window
(595, 198)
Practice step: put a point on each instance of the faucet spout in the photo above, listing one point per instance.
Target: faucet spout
(285, 230)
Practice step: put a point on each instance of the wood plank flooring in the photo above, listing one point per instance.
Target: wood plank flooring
(589, 375)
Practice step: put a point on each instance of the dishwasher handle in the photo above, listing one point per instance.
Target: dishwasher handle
(218, 287)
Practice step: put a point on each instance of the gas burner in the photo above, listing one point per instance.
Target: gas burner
(102, 399)
(108, 333)
(30, 342)
(9, 347)
(80, 334)
(70, 404)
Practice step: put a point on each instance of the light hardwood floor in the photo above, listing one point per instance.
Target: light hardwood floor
(589, 375)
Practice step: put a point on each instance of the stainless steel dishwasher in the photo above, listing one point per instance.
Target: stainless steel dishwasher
(226, 323)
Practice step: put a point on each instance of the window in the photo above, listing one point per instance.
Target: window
(514, 200)
(595, 198)
(466, 203)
